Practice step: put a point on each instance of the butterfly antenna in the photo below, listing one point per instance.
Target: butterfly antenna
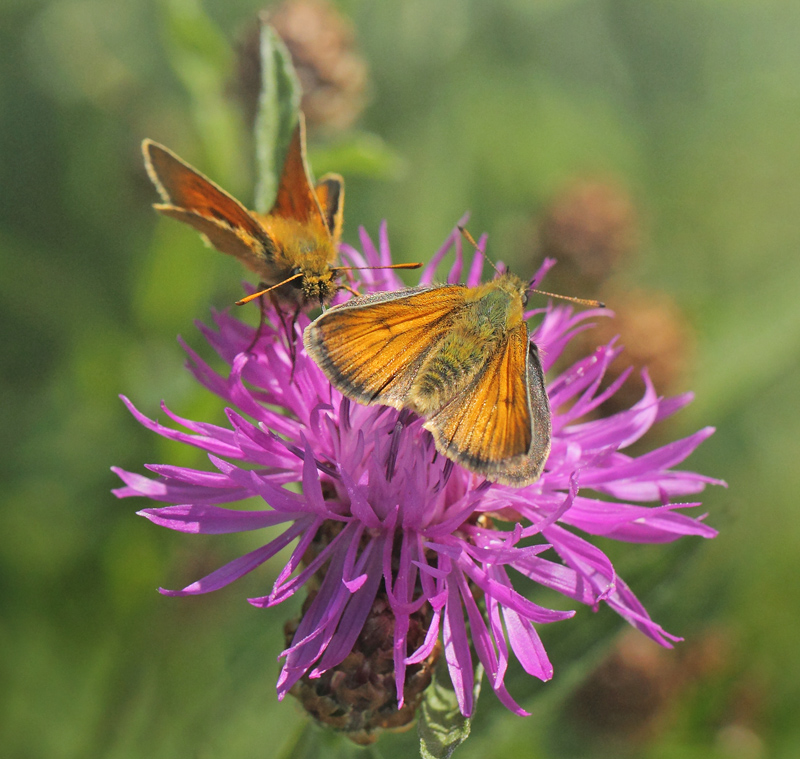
(580, 301)
(262, 320)
(253, 296)
(467, 236)
(348, 269)
(387, 266)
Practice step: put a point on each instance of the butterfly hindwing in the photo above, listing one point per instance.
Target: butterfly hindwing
(330, 194)
(530, 468)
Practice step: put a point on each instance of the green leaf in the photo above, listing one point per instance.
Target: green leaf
(442, 728)
(278, 107)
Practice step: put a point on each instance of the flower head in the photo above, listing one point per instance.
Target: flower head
(391, 537)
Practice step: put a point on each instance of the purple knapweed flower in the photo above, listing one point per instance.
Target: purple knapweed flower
(381, 516)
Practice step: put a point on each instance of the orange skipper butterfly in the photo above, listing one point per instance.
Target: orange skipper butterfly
(292, 248)
(458, 356)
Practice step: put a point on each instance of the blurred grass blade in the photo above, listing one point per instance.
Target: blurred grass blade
(312, 741)
(442, 728)
(278, 106)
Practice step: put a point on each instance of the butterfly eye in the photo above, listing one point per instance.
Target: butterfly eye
(524, 300)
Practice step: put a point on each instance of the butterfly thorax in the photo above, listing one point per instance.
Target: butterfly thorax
(499, 304)
(300, 248)
(489, 312)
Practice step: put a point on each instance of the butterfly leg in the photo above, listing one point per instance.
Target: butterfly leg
(262, 320)
(285, 328)
(351, 280)
(403, 419)
(349, 289)
(291, 338)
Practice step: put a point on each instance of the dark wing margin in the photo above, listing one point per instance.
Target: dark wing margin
(542, 423)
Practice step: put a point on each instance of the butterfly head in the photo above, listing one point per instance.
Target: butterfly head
(301, 257)
(318, 287)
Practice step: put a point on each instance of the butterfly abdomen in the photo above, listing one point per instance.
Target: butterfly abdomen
(458, 358)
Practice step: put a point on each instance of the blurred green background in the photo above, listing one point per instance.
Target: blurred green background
(494, 106)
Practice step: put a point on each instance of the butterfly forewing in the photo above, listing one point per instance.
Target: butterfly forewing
(297, 198)
(184, 188)
(372, 347)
